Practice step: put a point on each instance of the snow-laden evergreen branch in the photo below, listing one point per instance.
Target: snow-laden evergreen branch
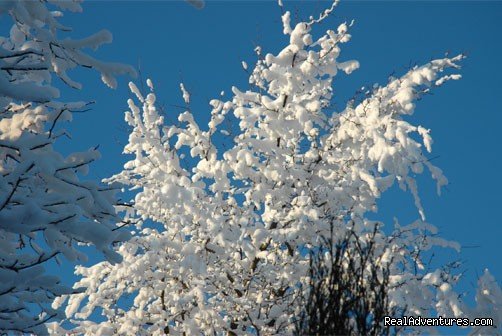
(46, 210)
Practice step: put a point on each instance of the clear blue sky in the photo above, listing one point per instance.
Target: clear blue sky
(173, 42)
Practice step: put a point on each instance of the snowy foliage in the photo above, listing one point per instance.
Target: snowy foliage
(46, 210)
(228, 252)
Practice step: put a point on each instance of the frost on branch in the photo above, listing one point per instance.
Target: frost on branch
(226, 252)
(46, 210)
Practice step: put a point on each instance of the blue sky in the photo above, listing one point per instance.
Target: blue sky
(170, 41)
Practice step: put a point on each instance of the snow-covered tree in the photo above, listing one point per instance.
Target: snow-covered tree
(46, 210)
(223, 238)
